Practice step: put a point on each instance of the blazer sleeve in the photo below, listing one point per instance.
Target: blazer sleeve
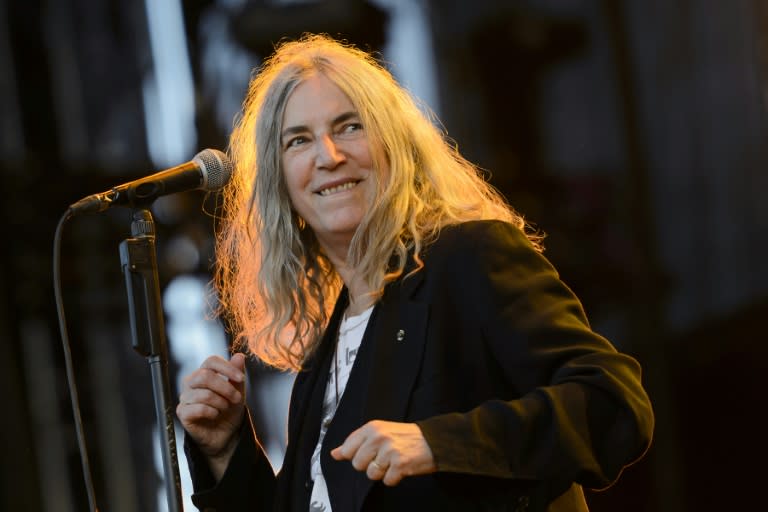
(581, 414)
(248, 484)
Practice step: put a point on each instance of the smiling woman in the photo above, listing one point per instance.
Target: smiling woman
(328, 166)
(419, 183)
(442, 364)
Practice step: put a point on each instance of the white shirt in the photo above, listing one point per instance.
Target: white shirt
(351, 333)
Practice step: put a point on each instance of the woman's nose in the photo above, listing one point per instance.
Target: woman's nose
(329, 155)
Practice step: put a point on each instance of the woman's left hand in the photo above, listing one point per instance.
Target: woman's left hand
(387, 451)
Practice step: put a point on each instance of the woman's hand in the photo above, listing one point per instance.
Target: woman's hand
(211, 408)
(387, 451)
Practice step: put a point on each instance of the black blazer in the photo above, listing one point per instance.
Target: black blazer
(492, 356)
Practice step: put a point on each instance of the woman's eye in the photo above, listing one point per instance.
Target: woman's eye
(351, 128)
(296, 141)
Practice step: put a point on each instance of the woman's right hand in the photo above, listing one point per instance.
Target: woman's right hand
(211, 408)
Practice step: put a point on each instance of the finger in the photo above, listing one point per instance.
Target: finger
(193, 413)
(392, 477)
(204, 378)
(205, 397)
(238, 361)
(366, 455)
(348, 449)
(376, 470)
(232, 369)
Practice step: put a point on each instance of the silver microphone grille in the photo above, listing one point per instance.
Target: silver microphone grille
(216, 168)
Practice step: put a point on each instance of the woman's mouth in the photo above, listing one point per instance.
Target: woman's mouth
(338, 188)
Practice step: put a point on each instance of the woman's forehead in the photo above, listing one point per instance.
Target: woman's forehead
(314, 99)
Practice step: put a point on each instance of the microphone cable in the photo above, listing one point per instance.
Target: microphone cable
(68, 362)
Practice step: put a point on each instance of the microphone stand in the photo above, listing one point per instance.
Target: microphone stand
(139, 262)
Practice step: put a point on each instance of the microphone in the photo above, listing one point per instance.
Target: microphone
(209, 170)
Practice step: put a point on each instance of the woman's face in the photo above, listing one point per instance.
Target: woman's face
(327, 161)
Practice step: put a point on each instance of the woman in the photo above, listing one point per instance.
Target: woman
(455, 370)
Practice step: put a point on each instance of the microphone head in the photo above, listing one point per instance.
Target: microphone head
(216, 168)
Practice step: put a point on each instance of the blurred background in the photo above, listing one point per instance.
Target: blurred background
(632, 132)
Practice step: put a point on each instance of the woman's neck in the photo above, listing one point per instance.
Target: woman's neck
(360, 294)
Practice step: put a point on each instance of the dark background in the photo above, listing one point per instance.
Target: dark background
(632, 132)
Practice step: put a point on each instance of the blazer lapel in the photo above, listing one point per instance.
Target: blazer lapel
(305, 413)
(307, 380)
(342, 478)
(398, 349)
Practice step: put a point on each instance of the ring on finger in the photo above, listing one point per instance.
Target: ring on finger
(378, 466)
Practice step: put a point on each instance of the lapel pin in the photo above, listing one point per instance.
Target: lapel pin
(400, 336)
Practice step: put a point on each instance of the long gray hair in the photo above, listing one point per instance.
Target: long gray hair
(275, 284)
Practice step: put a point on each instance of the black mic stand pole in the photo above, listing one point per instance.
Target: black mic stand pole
(139, 261)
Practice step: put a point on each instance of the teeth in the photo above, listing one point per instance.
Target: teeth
(339, 188)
